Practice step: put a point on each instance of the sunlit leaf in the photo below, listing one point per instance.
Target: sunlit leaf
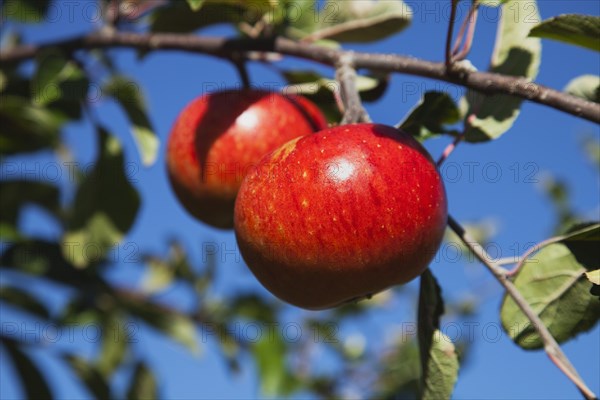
(23, 300)
(105, 206)
(34, 383)
(270, 357)
(489, 116)
(585, 86)
(428, 118)
(360, 20)
(129, 95)
(581, 30)
(115, 340)
(195, 5)
(143, 384)
(90, 376)
(554, 283)
(439, 362)
(593, 276)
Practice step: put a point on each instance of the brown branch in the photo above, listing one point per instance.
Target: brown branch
(550, 345)
(485, 82)
(346, 77)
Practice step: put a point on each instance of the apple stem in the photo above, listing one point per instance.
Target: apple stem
(240, 64)
(551, 347)
(345, 75)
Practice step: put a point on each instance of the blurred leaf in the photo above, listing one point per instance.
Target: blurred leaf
(399, 372)
(9, 234)
(593, 276)
(159, 275)
(428, 118)
(143, 384)
(515, 54)
(270, 356)
(585, 86)
(553, 282)
(25, 127)
(90, 376)
(493, 3)
(177, 326)
(25, 10)
(45, 259)
(361, 20)
(591, 147)
(105, 206)
(115, 340)
(18, 193)
(253, 307)
(23, 300)
(59, 82)
(581, 30)
(558, 193)
(81, 311)
(33, 382)
(129, 95)
(439, 362)
(300, 18)
(178, 17)
(195, 5)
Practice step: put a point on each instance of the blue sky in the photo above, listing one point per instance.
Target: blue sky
(495, 181)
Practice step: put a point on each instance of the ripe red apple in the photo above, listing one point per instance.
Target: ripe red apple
(219, 137)
(340, 215)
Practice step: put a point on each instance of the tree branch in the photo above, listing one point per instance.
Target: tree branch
(485, 82)
(550, 345)
(346, 77)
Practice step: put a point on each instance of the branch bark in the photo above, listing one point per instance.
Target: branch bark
(485, 82)
(551, 347)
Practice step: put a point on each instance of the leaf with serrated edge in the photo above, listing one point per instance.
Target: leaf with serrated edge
(577, 29)
(361, 20)
(585, 86)
(515, 54)
(553, 282)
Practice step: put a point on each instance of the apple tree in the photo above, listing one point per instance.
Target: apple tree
(50, 88)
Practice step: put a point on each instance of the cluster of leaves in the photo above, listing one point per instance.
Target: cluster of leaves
(36, 104)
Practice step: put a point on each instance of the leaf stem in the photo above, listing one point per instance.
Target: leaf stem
(550, 345)
(453, 4)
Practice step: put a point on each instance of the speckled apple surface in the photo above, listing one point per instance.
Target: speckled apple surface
(219, 137)
(340, 215)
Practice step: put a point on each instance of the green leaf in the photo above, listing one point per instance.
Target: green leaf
(553, 282)
(585, 86)
(33, 382)
(90, 376)
(428, 118)
(115, 340)
(25, 127)
(59, 81)
(143, 384)
(130, 97)
(25, 10)
(361, 20)
(177, 326)
(159, 276)
(105, 206)
(439, 362)
(487, 117)
(270, 354)
(178, 17)
(577, 29)
(593, 276)
(23, 300)
(195, 5)
(301, 18)
(18, 193)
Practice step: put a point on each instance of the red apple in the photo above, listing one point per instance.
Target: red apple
(219, 137)
(340, 215)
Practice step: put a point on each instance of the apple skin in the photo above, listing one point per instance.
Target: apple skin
(340, 215)
(219, 137)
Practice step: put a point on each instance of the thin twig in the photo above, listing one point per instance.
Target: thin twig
(345, 74)
(484, 82)
(449, 149)
(453, 5)
(532, 250)
(472, 22)
(550, 345)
